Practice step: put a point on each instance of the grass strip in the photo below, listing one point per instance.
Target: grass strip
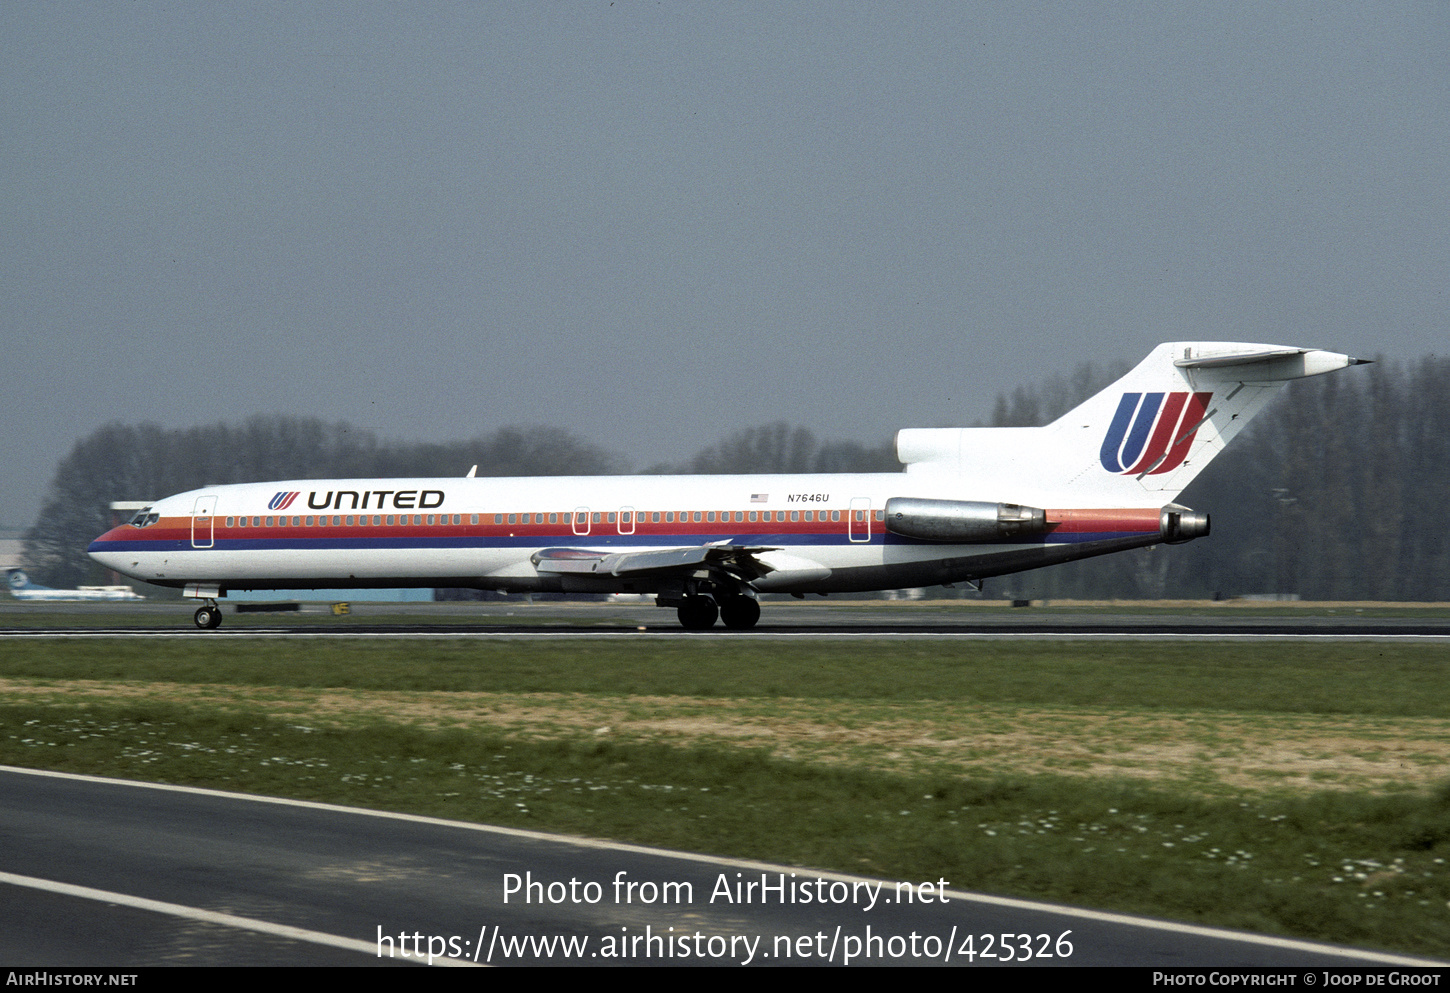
(1343, 678)
(1204, 753)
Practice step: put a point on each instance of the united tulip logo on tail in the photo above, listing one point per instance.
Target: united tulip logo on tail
(283, 500)
(1152, 432)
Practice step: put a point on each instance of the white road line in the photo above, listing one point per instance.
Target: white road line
(198, 914)
(1222, 934)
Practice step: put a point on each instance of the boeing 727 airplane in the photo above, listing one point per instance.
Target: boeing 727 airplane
(971, 503)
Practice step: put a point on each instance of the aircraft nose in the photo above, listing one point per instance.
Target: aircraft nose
(106, 551)
(102, 542)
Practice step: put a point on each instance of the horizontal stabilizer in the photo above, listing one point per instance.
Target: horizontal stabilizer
(1264, 364)
(1220, 361)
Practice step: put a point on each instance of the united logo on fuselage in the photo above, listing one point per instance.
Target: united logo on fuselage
(283, 500)
(1151, 433)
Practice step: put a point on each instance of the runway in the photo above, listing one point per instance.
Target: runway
(780, 620)
(102, 872)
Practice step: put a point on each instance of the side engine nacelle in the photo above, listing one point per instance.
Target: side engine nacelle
(961, 521)
(967, 521)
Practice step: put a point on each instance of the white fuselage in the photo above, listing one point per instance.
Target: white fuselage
(812, 533)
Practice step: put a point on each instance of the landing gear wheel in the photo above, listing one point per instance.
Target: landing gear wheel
(740, 612)
(698, 613)
(208, 617)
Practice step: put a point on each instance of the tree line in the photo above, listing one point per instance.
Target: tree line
(1329, 494)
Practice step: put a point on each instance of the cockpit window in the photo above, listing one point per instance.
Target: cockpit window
(144, 518)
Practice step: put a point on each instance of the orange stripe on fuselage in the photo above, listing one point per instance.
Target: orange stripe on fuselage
(1123, 519)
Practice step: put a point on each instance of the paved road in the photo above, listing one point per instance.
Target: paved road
(104, 873)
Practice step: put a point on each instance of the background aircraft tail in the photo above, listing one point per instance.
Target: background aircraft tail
(16, 579)
(1143, 439)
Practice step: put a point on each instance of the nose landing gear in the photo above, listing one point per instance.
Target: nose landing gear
(208, 616)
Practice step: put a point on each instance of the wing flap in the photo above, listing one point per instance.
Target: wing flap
(739, 560)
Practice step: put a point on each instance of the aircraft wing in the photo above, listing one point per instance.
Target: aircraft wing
(737, 560)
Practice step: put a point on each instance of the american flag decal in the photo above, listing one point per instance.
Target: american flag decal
(759, 497)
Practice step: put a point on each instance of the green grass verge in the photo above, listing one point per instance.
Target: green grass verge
(1294, 677)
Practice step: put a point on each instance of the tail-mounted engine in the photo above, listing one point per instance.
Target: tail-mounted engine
(961, 521)
(1179, 524)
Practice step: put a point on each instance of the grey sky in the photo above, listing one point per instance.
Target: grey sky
(655, 223)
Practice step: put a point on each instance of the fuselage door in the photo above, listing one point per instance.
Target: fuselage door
(581, 520)
(858, 521)
(626, 520)
(203, 522)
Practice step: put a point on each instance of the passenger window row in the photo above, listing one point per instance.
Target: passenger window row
(350, 520)
(671, 517)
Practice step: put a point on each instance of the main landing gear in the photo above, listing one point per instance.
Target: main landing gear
(738, 611)
(697, 613)
(208, 616)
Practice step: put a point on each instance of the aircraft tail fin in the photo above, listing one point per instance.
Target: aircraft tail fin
(16, 579)
(1161, 424)
(1145, 436)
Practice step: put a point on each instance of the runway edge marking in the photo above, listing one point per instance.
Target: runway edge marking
(198, 914)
